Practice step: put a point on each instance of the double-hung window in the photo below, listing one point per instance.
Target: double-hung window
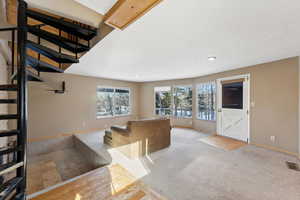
(206, 101)
(112, 102)
(173, 101)
(163, 98)
(183, 101)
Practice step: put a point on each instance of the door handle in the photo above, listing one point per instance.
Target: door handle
(219, 110)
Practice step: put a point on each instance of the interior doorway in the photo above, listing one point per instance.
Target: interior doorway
(233, 98)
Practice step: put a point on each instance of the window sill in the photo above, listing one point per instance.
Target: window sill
(174, 117)
(206, 120)
(116, 116)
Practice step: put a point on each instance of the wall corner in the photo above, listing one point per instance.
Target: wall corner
(299, 107)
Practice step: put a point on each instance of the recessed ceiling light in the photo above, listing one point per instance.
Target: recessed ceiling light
(212, 58)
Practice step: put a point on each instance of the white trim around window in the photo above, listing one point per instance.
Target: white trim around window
(115, 115)
(173, 105)
(154, 99)
(172, 100)
(197, 100)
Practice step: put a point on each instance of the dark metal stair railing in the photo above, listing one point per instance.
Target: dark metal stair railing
(15, 188)
(22, 97)
(17, 185)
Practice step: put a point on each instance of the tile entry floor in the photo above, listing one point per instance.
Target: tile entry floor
(223, 142)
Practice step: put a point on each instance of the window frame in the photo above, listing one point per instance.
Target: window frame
(197, 100)
(154, 101)
(173, 104)
(114, 115)
(172, 100)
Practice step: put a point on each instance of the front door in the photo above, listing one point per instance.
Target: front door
(233, 102)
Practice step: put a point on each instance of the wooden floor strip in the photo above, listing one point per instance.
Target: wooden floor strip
(112, 182)
(138, 196)
(223, 142)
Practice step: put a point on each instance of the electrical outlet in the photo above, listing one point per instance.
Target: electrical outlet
(272, 138)
(83, 124)
(252, 104)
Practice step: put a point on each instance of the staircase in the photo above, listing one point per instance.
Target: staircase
(29, 68)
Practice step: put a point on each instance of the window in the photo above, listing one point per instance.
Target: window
(176, 101)
(121, 102)
(206, 99)
(183, 101)
(232, 95)
(163, 101)
(112, 102)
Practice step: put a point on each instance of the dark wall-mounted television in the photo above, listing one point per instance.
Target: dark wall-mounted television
(232, 95)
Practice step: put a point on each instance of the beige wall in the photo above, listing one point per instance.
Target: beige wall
(299, 108)
(52, 114)
(3, 95)
(274, 91)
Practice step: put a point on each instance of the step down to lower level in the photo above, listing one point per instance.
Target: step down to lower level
(68, 27)
(7, 117)
(60, 41)
(30, 77)
(8, 133)
(7, 188)
(41, 66)
(8, 101)
(50, 53)
(11, 87)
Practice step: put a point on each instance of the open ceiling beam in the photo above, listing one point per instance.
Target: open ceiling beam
(125, 12)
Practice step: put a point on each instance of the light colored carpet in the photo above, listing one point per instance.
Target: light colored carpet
(192, 170)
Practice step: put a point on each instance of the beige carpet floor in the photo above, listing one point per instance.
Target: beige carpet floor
(193, 170)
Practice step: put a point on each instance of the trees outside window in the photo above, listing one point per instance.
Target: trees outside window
(183, 101)
(112, 102)
(174, 102)
(206, 101)
(163, 101)
(121, 102)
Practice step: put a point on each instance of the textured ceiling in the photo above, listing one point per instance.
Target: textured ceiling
(175, 39)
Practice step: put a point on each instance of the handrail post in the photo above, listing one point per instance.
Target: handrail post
(22, 94)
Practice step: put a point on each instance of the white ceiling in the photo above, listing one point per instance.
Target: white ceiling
(69, 9)
(175, 38)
